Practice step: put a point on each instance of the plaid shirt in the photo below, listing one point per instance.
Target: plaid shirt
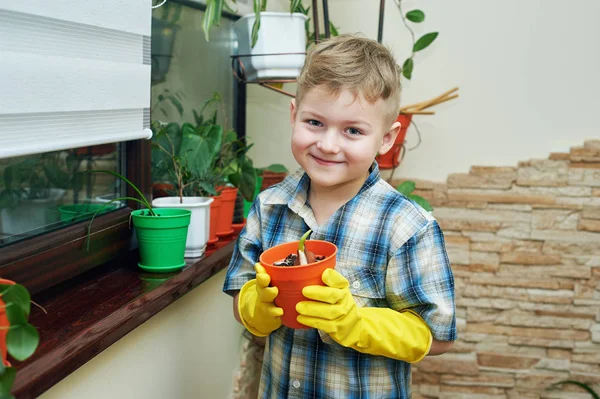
(391, 251)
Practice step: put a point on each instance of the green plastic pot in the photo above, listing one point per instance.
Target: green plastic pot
(79, 212)
(161, 239)
(248, 204)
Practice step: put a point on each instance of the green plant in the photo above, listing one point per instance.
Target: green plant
(407, 188)
(142, 200)
(198, 157)
(187, 156)
(212, 17)
(584, 386)
(415, 16)
(25, 179)
(22, 338)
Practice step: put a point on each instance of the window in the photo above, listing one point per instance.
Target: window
(41, 193)
(52, 249)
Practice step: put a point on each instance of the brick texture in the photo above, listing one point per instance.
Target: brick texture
(524, 243)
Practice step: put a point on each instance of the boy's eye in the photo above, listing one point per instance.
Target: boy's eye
(314, 122)
(353, 132)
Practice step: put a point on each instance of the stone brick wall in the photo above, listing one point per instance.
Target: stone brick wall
(524, 243)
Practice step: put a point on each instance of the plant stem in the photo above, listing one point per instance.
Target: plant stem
(412, 33)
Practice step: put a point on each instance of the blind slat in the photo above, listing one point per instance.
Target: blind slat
(73, 73)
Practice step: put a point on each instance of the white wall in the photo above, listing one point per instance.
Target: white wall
(188, 350)
(528, 73)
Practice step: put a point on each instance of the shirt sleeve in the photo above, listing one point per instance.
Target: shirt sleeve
(419, 278)
(246, 252)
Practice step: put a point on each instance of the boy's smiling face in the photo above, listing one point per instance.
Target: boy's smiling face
(336, 139)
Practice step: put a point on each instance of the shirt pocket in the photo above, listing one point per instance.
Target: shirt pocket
(368, 288)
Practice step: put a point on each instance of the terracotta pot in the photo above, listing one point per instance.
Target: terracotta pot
(271, 178)
(159, 190)
(4, 326)
(391, 159)
(225, 218)
(290, 280)
(215, 209)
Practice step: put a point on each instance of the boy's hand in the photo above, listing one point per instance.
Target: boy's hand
(256, 307)
(376, 331)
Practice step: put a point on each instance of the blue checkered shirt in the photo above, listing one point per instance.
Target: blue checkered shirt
(393, 254)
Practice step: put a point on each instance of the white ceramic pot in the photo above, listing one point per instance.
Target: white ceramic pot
(280, 32)
(198, 232)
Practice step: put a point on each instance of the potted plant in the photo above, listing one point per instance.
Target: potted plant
(190, 153)
(161, 232)
(279, 35)
(18, 338)
(293, 266)
(28, 200)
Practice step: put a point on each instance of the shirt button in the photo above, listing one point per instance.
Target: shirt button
(356, 285)
(296, 384)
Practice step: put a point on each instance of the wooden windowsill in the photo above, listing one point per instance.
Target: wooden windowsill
(89, 313)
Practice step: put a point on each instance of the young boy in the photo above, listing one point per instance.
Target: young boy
(390, 300)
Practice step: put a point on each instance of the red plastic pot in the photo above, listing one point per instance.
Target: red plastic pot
(290, 280)
(391, 159)
(4, 326)
(225, 218)
(215, 209)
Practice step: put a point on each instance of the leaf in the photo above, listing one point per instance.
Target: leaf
(208, 20)
(294, 6)
(276, 168)
(407, 68)
(424, 41)
(7, 379)
(22, 341)
(255, 28)
(406, 187)
(197, 118)
(421, 201)
(333, 30)
(214, 138)
(245, 181)
(415, 16)
(19, 296)
(195, 149)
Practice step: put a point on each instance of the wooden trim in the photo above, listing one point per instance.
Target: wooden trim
(91, 312)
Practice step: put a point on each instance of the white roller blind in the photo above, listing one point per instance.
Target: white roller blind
(73, 73)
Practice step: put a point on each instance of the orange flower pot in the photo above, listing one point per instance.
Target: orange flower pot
(215, 209)
(225, 218)
(4, 326)
(290, 280)
(271, 178)
(391, 159)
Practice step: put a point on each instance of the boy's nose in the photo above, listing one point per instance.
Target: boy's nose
(328, 143)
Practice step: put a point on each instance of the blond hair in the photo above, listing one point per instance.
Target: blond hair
(353, 63)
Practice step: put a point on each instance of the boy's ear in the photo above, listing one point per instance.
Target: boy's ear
(390, 137)
(293, 111)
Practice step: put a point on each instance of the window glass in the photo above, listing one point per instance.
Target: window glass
(187, 70)
(40, 193)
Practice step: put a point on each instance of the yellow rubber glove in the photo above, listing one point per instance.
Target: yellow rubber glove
(376, 331)
(256, 307)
